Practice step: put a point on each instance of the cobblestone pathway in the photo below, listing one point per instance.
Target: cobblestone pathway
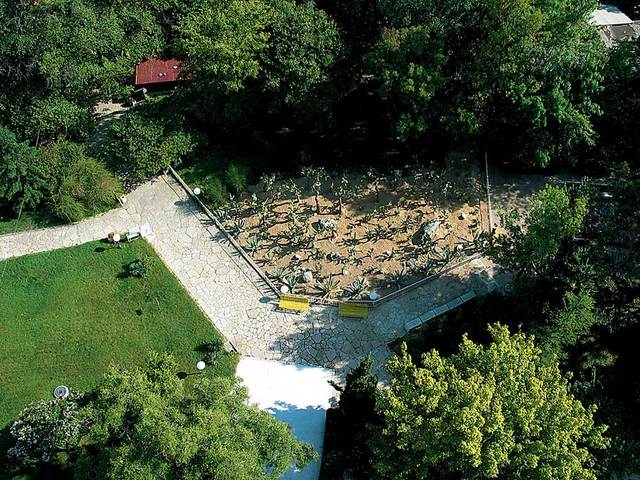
(232, 294)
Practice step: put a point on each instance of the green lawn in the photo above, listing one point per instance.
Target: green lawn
(66, 315)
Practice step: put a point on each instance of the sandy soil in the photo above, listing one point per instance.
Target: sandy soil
(377, 236)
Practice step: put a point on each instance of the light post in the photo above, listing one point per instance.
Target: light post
(200, 366)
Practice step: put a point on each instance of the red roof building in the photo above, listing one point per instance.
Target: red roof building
(153, 71)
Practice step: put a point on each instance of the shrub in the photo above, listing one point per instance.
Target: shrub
(214, 192)
(22, 180)
(79, 185)
(237, 177)
(138, 268)
(47, 431)
(213, 350)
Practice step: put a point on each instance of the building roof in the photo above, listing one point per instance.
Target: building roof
(155, 71)
(295, 394)
(612, 34)
(609, 15)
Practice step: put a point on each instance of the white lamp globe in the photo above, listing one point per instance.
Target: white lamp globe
(200, 365)
(116, 237)
(197, 191)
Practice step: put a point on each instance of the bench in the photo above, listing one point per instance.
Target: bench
(353, 310)
(132, 234)
(293, 302)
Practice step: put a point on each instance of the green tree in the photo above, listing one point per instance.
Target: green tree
(350, 424)
(522, 75)
(22, 181)
(77, 48)
(569, 323)
(56, 117)
(250, 57)
(144, 146)
(496, 411)
(147, 423)
(408, 63)
(532, 242)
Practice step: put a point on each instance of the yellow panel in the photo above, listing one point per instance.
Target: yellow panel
(355, 310)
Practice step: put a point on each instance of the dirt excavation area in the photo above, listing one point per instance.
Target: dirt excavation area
(346, 236)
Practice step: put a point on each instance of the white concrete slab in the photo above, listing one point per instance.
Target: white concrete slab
(609, 15)
(296, 394)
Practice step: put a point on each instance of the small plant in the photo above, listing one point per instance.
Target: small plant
(279, 274)
(213, 350)
(357, 287)
(237, 227)
(253, 244)
(292, 281)
(397, 278)
(268, 181)
(137, 268)
(341, 190)
(330, 287)
(292, 190)
(236, 176)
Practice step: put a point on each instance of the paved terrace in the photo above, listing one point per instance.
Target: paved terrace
(234, 297)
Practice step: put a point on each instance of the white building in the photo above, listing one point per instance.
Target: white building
(614, 25)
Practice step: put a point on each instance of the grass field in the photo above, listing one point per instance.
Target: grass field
(67, 315)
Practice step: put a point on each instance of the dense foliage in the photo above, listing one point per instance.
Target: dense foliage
(500, 411)
(149, 423)
(358, 80)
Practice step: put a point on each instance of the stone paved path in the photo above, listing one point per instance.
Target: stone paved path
(232, 294)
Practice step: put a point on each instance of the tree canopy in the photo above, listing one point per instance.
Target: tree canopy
(146, 423)
(496, 411)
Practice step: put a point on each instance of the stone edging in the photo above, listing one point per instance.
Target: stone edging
(312, 298)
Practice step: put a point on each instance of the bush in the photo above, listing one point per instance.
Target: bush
(138, 268)
(79, 185)
(47, 431)
(143, 147)
(213, 350)
(236, 176)
(214, 192)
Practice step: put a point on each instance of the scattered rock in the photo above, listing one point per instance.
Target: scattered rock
(307, 276)
(327, 223)
(463, 216)
(345, 271)
(388, 253)
(430, 228)
(297, 257)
